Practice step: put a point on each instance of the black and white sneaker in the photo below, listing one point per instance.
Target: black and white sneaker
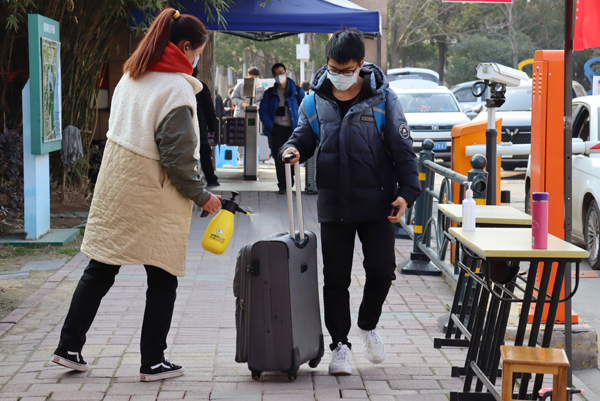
(70, 359)
(160, 371)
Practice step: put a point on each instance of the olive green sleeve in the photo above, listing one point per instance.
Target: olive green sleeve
(177, 141)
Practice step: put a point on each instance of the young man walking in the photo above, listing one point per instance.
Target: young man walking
(366, 180)
(279, 114)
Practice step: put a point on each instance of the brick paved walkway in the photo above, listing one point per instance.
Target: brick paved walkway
(202, 336)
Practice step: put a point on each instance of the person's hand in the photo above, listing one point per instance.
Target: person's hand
(213, 204)
(294, 151)
(400, 205)
(245, 104)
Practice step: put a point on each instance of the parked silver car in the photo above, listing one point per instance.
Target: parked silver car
(466, 99)
(431, 114)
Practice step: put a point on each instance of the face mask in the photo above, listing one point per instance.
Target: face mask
(280, 79)
(342, 82)
(195, 63)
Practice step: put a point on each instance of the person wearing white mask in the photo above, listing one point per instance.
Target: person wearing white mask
(367, 176)
(279, 114)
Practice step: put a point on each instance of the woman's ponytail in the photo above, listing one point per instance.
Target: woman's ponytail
(169, 25)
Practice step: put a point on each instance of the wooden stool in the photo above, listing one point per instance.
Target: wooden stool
(534, 360)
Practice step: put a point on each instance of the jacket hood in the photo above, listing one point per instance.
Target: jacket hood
(379, 82)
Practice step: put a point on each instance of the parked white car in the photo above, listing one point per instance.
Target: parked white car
(516, 121)
(467, 101)
(431, 114)
(586, 179)
(412, 78)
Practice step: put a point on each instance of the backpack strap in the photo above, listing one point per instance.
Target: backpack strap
(379, 114)
(311, 113)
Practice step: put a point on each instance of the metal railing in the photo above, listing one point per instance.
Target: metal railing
(424, 259)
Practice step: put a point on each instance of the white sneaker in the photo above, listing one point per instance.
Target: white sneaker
(340, 361)
(373, 345)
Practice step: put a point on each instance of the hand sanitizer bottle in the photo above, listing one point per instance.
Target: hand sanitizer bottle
(468, 210)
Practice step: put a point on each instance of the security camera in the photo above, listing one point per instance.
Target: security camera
(501, 74)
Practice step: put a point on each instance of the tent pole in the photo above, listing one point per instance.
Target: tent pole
(568, 124)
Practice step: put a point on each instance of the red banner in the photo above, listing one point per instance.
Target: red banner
(587, 25)
(478, 1)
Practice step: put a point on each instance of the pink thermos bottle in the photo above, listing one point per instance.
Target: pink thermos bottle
(539, 220)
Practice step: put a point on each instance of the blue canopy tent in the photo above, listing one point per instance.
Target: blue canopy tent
(262, 20)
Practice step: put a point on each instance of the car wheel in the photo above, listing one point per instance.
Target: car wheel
(591, 233)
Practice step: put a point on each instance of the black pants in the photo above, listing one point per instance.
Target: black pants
(279, 136)
(377, 238)
(95, 282)
(207, 163)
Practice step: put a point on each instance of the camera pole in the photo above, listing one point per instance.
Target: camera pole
(491, 136)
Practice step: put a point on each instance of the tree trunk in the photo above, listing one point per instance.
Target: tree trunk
(206, 67)
(442, 52)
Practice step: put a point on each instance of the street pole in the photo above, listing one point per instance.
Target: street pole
(301, 36)
(568, 124)
(491, 137)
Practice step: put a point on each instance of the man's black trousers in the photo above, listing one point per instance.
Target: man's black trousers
(279, 136)
(207, 163)
(338, 239)
(95, 282)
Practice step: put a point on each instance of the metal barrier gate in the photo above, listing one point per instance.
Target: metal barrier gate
(425, 260)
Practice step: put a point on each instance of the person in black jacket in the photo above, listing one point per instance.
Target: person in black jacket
(367, 177)
(220, 112)
(219, 107)
(207, 120)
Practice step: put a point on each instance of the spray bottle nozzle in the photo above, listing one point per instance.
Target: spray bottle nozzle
(240, 210)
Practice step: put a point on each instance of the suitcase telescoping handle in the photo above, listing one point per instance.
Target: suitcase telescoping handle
(288, 184)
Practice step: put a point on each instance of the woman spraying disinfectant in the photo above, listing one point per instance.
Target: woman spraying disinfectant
(220, 229)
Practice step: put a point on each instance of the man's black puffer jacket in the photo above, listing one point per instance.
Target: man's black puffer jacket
(359, 171)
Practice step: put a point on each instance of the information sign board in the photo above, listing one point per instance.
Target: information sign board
(45, 84)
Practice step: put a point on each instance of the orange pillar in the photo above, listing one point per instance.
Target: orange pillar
(547, 150)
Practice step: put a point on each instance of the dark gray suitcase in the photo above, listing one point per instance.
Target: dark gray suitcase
(278, 320)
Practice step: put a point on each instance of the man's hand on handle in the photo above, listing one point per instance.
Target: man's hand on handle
(399, 207)
(293, 151)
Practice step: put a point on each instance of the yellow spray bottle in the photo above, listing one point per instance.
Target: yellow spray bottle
(220, 229)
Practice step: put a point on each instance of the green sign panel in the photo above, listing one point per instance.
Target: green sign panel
(45, 84)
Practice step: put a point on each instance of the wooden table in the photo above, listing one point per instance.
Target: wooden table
(498, 248)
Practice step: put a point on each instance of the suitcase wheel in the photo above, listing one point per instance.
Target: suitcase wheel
(313, 363)
(292, 376)
(256, 375)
